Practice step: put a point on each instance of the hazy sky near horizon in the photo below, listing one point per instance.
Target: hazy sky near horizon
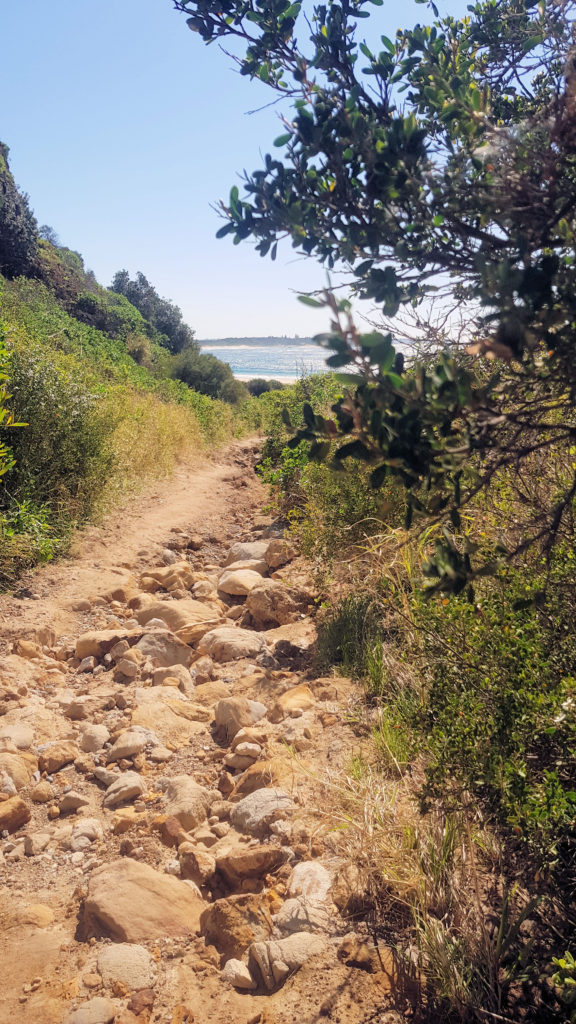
(125, 130)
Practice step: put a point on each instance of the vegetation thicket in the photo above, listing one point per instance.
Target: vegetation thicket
(96, 391)
(439, 167)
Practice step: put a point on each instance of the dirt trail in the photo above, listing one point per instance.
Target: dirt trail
(168, 851)
(212, 497)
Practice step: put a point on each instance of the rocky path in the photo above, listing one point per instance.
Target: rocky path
(168, 849)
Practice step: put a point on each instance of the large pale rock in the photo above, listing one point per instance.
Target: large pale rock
(21, 735)
(86, 832)
(310, 879)
(299, 732)
(166, 712)
(240, 552)
(228, 643)
(72, 801)
(164, 649)
(36, 842)
(194, 632)
(272, 772)
(131, 902)
(179, 672)
(234, 713)
(278, 959)
(128, 786)
(131, 742)
(293, 643)
(42, 793)
(238, 582)
(237, 974)
(176, 614)
(99, 1010)
(279, 552)
(210, 692)
(180, 574)
(297, 698)
(300, 914)
(233, 924)
(14, 813)
(99, 642)
(18, 767)
(83, 708)
(249, 862)
(187, 801)
(196, 863)
(258, 565)
(127, 963)
(94, 737)
(257, 811)
(272, 603)
(57, 755)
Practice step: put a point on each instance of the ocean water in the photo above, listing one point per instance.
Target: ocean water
(285, 363)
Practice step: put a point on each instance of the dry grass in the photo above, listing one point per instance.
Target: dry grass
(430, 886)
(149, 438)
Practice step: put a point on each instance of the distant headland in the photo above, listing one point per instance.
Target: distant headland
(284, 339)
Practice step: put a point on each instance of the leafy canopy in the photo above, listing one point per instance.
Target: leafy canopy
(18, 227)
(440, 160)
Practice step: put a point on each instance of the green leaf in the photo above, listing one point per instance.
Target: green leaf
(282, 139)
(353, 450)
(338, 360)
(307, 300)
(378, 476)
(308, 415)
(348, 378)
(234, 197)
(319, 450)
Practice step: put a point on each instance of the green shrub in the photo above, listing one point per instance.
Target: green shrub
(501, 690)
(61, 456)
(348, 633)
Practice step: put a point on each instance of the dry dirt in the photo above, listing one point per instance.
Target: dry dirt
(49, 945)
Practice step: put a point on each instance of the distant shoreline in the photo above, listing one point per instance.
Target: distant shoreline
(254, 342)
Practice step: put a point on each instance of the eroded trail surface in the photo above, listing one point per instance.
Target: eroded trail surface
(167, 850)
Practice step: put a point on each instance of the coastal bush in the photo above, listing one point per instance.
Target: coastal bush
(97, 424)
(18, 226)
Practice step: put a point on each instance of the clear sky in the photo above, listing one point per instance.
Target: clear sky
(125, 129)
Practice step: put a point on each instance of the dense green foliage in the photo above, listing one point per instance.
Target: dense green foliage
(441, 161)
(471, 705)
(18, 227)
(205, 373)
(257, 386)
(164, 316)
(97, 423)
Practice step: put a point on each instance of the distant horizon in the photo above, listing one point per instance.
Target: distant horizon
(289, 338)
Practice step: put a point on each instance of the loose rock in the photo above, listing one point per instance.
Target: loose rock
(237, 974)
(131, 902)
(127, 963)
(128, 786)
(257, 811)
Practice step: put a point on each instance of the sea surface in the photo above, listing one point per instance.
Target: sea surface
(285, 363)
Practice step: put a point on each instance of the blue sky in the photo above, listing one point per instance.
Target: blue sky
(125, 129)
